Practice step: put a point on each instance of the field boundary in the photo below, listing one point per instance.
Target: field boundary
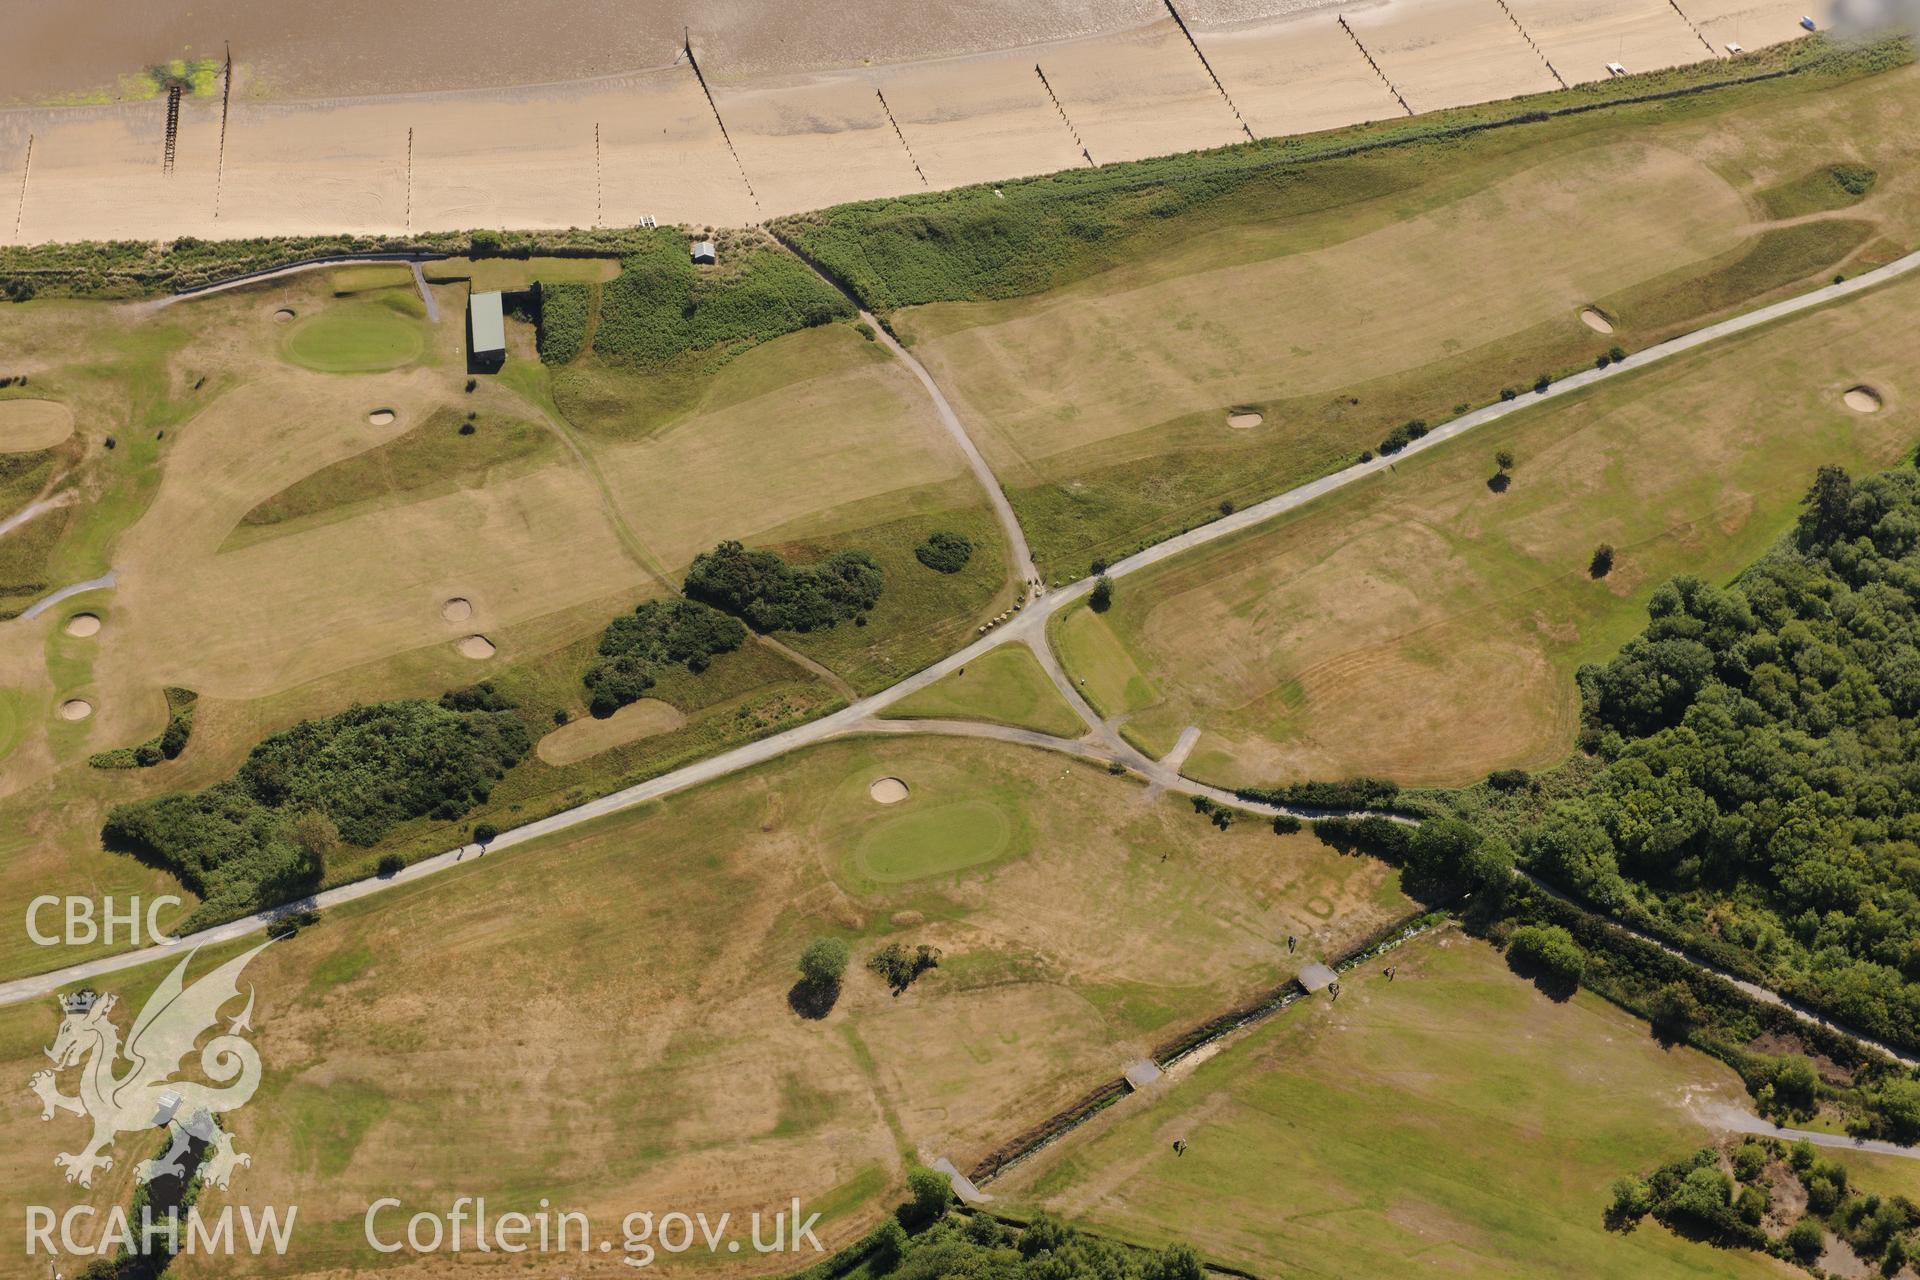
(1031, 1141)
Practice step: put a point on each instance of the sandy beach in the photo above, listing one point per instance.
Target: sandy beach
(821, 106)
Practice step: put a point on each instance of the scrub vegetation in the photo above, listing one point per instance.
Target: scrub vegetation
(1759, 788)
(261, 836)
(657, 633)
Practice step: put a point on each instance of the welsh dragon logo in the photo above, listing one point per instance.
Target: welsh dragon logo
(145, 1095)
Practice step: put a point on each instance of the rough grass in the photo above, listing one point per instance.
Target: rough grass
(1422, 626)
(705, 1062)
(661, 307)
(1831, 186)
(1454, 1119)
(1005, 686)
(433, 457)
(1343, 297)
(1014, 238)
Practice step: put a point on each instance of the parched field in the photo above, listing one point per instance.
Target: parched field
(557, 1019)
(1341, 298)
(290, 483)
(1425, 626)
(1454, 1120)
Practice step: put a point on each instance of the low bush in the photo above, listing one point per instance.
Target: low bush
(900, 966)
(944, 552)
(166, 745)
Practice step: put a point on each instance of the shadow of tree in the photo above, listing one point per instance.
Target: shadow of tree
(813, 1000)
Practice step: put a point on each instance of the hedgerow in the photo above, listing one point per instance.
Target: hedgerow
(564, 308)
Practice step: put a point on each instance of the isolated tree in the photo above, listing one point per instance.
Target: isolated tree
(1602, 563)
(1102, 598)
(824, 962)
(1503, 459)
(484, 833)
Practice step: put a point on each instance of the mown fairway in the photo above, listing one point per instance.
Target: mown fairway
(1424, 626)
(1455, 1120)
(623, 993)
(1342, 298)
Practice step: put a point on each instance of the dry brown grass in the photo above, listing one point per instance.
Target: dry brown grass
(1422, 626)
(605, 1023)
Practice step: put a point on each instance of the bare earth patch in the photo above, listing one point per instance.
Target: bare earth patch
(33, 424)
(476, 647)
(589, 737)
(1243, 421)
(75, 709)
(458, 609)
(1595, 321)
(381, 417)
(888, 791)
(83, 624)
(283, 315)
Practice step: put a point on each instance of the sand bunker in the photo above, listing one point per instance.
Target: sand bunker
(888, 791)
(380, 417)
(1244, 421)
(283, 315)
(1595, 321)
(83, 624)
(1862, 399)
(75, 709)
(458, 609)
(476, 647)
(33, 424)
(589, 737)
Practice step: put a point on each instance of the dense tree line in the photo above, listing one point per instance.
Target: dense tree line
(1761, 791)
(772, 595)
(262, 836)
(1727, 1199)
(657, 633)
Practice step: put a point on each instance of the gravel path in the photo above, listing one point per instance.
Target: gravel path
(44, 603)
(1028, 626)
(1735, 1119)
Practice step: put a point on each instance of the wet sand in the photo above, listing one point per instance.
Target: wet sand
(615, 149)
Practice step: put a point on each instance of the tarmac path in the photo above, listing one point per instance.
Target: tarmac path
(1027, 626)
